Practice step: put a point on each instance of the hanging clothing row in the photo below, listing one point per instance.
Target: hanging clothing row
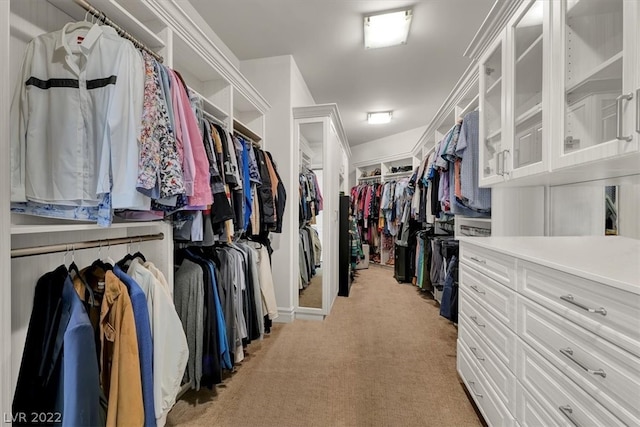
(380, 211)
(104, 346)
(311, 203)
(140, 147)
(225, 298)
(446, 182)
(310, 250)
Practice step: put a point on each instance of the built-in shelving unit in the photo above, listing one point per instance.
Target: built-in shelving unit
(170, 29)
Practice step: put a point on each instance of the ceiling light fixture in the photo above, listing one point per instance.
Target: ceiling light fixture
(386, 29)
(379, 118)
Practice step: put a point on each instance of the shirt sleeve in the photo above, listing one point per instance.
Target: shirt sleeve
(125, 120)
(19, 118)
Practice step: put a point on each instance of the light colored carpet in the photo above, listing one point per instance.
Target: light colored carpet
(311, 296)
(384, 357)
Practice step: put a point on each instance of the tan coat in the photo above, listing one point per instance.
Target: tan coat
(120, 364)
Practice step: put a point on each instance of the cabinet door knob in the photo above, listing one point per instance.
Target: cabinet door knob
(569, 298)
(472, 385)
(475, 320)
(475, 353)
(475, 288)
(567, 411)
(568, 353)
(619, 99)
(638, 110)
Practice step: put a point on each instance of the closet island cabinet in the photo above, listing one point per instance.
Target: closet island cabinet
(559, 93)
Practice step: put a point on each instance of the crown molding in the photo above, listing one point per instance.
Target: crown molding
(493, 24)
(325, 110)
(178, 20)
(461, 89)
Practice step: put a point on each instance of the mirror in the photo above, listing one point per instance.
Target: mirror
(611, 210)
(311, 289)
(596, 208)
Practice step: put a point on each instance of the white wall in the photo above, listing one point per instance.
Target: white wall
(279, 80)
(300, 94)
(206, 28)
(380, 150)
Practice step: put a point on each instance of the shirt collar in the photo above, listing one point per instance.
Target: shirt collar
(87, 44)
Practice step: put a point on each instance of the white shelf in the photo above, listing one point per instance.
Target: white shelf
(531, 47)
(398, 174)
(531, 112)
(472, 219)
(494, 134)
(370, 178)
(609, 69)
(211, 108)
(471, 105)
(494, 85)
(117, 14)
(63, 228)
(245, 130)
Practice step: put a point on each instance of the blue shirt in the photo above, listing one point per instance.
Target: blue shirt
(145, 343)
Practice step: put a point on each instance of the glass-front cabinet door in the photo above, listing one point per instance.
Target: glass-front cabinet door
(527, 40)
(492, 113)
(598, 79)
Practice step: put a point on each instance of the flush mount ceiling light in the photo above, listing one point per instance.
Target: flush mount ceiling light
(379, 117)
(386, 29)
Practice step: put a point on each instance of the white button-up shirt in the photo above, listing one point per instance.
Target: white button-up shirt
(76, 117)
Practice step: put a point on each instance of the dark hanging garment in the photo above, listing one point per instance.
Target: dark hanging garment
(281, 197)
(58, 359)
(211, 368)
(265, 194)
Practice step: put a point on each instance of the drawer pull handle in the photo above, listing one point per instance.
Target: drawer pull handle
(567, 411)
(568, 353)
(475, 353)
(472, 385)
(481, 261)
(475, 288)
(569, 299)
(475, 320)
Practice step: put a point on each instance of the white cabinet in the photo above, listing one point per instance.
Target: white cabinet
(513, 99)
(569, 83)
(550, 325)
(492, 113)
(597, 79)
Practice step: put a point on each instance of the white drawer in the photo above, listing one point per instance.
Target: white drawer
(557, 394)
(530, 413)
(499, 267)
(618, 323)
(493, 410)
(614, 374)
(496, 298)
(500, 339)
(501, 378)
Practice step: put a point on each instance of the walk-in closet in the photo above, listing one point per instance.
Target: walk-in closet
(311, 213)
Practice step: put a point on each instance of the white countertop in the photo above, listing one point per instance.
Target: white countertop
(612, 260)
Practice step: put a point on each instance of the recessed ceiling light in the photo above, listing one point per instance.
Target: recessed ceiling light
(386, 29)
(379, 117)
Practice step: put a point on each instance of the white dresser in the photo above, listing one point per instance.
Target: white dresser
(549, 330)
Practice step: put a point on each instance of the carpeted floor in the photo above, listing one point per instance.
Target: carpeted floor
(383, 357)
(312, 295)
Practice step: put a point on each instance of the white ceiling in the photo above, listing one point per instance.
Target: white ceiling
(325, 38)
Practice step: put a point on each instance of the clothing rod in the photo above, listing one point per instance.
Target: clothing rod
(368, 178)
(65, 247)
(123, 33)
(214, 118)
(255, 144)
